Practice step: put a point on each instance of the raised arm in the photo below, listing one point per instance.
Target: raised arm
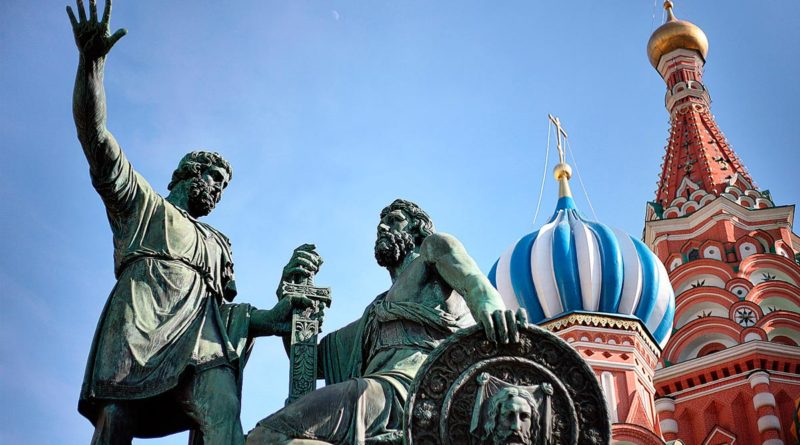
(108, 167)
(459, 270)
(94, 41)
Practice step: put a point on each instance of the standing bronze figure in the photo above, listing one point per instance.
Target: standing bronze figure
(169, 349)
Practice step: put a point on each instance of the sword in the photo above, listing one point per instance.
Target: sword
(303, 340)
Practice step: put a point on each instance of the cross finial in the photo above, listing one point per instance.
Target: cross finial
(562, 171)
(559, 134)
(668, 7)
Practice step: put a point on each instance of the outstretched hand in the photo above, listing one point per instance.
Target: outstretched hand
(93, 37)
(503, 326)
(278, 320)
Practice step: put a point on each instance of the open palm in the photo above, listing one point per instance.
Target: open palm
(93, 37)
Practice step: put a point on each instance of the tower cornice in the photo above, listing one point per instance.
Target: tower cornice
(721, 209)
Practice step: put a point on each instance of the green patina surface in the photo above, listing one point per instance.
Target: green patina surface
(169, 319)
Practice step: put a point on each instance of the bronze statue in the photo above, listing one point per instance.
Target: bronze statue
(170, 346)
(368, 366)
(169, 350)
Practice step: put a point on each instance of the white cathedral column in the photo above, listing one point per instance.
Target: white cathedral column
(764, 403)
(665, 409)
(610, 391)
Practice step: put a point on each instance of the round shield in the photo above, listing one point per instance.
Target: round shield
(538, 391)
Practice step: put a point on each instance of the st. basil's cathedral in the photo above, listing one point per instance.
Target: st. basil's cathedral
(693, 330)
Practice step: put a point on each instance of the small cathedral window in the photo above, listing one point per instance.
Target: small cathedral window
(745, 316)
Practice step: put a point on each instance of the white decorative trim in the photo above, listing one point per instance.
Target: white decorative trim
(722, 432)
(689, 352)
(630, 349)
(665, 404)
(721, 385)
(752, 336)
(747, 249)
(600, 364)
(669, 426)
(689, 273)
(672, 98)
(610, 391)
(715, 387)
(706, 389)
(654, 229)
(763, 399)
(768, 422)
(758, 378)
(668, 234)
(708, 361)
(710, 322)
(700, 197)
(646, 399)
(679, 56)
(686, 183)
(794, 380)
(600, 322)
(712, 253)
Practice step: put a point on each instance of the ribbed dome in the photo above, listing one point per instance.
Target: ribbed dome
(675, 34)
(573, 264)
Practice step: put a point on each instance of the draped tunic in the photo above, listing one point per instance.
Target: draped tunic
(163, 315)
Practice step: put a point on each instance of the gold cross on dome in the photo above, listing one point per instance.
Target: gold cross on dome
(559, 133)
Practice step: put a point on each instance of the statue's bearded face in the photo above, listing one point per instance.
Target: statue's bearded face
(205, 191)
(394, 241)
(514, 422)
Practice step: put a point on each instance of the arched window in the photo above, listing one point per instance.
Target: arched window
(747, 249)
(710, 349)
(784, 340)
(713, 253)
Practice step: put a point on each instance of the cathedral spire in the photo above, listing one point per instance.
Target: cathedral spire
(699, 164)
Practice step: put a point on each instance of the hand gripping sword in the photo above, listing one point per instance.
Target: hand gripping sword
(303, 340)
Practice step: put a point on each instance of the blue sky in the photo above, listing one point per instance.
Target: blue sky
(328, 110)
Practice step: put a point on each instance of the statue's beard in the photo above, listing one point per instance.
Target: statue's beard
(202, 198)
(512, 438)
(391, 248)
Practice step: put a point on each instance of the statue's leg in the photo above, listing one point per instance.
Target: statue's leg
(348, 412)
(264, 436)
(210, 398)
(114, 425)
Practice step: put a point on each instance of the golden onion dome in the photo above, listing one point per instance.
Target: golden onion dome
(675, 34)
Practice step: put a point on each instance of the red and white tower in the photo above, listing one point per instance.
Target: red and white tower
(730, 373)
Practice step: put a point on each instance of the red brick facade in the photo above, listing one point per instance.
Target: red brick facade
(730, 373)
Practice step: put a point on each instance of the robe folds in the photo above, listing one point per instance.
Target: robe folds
(163, 317)
(368, 367)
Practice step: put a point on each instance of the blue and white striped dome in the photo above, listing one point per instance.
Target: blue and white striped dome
(573, 264)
